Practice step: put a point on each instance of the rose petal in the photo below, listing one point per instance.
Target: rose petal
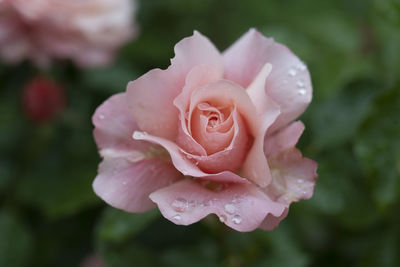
(197, 77)
(126, 185)
(271, 221)
(151, 96)
(267, 111)
(213, 141)
(284, 139)
(193, 51)
(224, 93)
(288, 84)
(294, 177)
(185, 165)
(232, 156)
(240, 206)
(114, 126)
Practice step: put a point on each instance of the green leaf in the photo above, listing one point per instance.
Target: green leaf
(284, 249)
(336, 119)
(16, 243)
(112, 79)
(378, 147)
(117, 226)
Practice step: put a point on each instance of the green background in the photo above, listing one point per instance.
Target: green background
(49, 215)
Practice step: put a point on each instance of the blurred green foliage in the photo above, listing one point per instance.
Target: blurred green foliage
(49, 215)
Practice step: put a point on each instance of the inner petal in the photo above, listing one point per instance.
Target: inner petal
(210, 128)
(229, 152)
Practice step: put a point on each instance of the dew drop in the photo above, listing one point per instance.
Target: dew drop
(301, 66)
(237, 219)
(139, 135)
(302, 91)
(292, 72)
(180, 204)
(222, 218)
(101, 117)
(300, 84)
(230, 208)
(178, 217)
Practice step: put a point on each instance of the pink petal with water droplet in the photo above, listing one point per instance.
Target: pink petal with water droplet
(126, 185)
(293, 178)
(240, 206)
(289, 83)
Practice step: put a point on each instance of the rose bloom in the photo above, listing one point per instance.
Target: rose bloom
(88, 32)
(213, 133)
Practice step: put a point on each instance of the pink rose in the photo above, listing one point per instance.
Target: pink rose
(213, 133)
(88, 32)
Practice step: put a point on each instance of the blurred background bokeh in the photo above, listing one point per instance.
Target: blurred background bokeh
(49, 215)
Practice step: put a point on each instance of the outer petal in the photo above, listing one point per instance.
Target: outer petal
(151, 96)
(240, 206)
(185, 164)
(126, 185)
(193, 51)
(294, 177)
(114, 126)
(270, 222)
(284, 139)
(288, 84)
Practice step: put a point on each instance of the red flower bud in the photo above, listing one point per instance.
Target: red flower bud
(42, 99)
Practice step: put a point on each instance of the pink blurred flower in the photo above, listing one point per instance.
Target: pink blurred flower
(88, 32)
(93, 260)
(213, 133)
(43, 99)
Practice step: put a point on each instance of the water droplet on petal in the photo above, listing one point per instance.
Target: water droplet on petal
(237, 219)
(139, 135)
(292, 72)
(301, 66)
(222, 218)
(230, 208)
(300, 84)
(180, 204)
(178, 217)
(101, 117)
(302, 91)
